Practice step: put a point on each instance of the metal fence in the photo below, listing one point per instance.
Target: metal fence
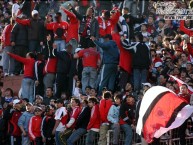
(170, 138)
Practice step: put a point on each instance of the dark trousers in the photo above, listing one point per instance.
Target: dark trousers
(182, 133)
(16, 140)
(85, 42)
(61, 84)
(37, 141)
(123, 79)
(50, 141)
(34, 46)
(21, 51)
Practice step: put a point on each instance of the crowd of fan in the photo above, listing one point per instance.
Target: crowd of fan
(87, 74)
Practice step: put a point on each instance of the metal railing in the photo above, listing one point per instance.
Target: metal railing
(170, 138)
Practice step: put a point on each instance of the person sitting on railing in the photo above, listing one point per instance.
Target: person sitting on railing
(105, 105)
(81, 124)
(127, 118)
(113, 118)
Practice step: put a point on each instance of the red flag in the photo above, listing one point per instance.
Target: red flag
(161, 110)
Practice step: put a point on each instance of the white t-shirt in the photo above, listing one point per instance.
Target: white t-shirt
(60, 112)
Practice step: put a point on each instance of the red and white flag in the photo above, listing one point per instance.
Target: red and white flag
(180, 83)
(161, 110)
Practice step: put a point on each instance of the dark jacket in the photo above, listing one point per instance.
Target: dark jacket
(47, 100)
(132, 21)
(36, 30)
(83, 119)
(19, 35)
(47, 126)
(127, 114)
(64, 61)
(110, 51)
(35, 27)
(94, 26)
(140, 54)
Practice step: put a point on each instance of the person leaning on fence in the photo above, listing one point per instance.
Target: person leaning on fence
(113, 118)
(81, 124)
(94, 123)
(75, 105)
(104, 107)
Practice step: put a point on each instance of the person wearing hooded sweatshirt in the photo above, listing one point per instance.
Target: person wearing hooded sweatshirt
(104, 106)
(23, 123)
(110, 62)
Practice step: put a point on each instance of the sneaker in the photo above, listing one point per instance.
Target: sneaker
(11, 75)
(6, 74)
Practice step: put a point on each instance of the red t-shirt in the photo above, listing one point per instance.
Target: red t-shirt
(89, 57)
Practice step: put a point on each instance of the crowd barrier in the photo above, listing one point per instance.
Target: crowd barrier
(170, 138)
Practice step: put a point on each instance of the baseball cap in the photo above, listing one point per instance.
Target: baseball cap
(40, 97)
(49, 107)
(16, 101)
(158, 64)
(29, 104)
(59, 101)
(38, 108)
(34, 12)
(147, 84)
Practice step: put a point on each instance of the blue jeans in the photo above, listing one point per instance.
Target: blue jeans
(57, 140)
(90, 137)
(28, 89)
(25, 140)
(108, 77)
(8, 62)
(49, 80)
(128, 133)
(74, 44)
(139, 76)
(89, 76)
(99, 49)
(61, 45)
(76, 135)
